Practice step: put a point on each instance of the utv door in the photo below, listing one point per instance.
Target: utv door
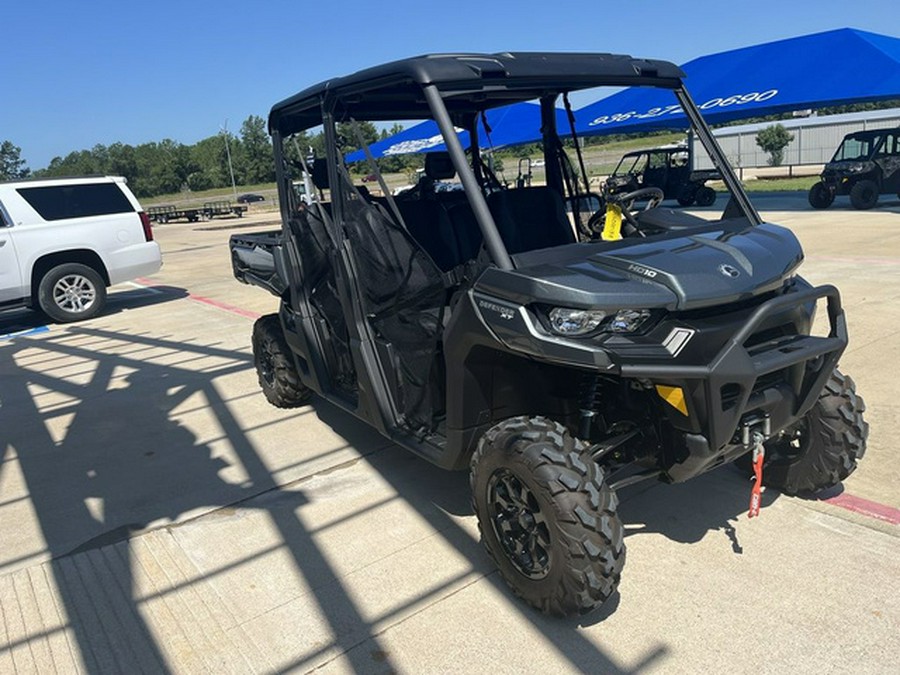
(396, 308)
(888, 159)
(318, 329)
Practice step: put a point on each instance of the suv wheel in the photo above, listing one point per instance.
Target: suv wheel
(71, 292)
(278, 376)
(822, 449)
(864, 194)
(546, 515)
(820, 196)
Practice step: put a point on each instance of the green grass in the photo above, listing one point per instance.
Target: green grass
(801, 184)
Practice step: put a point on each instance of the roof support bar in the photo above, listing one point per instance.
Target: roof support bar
(716, 155)
(492, 239)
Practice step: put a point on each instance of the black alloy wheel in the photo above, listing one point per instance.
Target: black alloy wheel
(518, 524)
(547, 516)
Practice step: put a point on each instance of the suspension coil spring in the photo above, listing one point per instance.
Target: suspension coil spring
(590, 397)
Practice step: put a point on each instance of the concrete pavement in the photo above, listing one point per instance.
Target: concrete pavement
(157, 515)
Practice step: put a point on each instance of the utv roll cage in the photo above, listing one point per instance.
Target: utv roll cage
(455, 89)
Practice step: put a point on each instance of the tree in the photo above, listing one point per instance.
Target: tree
(254, 153)
(12, 166)
(773, 140)
(347, 139)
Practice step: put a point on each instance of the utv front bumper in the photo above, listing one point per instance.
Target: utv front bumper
(713, 372)
(760, 376)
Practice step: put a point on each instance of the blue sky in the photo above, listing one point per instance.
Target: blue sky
(76, 74)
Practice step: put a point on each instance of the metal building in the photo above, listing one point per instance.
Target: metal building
(815, 138)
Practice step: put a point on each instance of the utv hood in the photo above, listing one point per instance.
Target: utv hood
(708, 266)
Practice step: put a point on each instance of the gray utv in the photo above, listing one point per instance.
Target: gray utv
(558, 344)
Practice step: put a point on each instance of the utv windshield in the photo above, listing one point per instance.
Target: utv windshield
(856, 148)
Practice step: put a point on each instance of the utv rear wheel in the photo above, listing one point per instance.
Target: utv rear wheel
(706, 196)
(275, 367)
(864, 195)
(820, 196)
(823, 448)
(547, 517)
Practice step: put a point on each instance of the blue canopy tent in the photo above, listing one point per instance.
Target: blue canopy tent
(509, 125)
(831, 68)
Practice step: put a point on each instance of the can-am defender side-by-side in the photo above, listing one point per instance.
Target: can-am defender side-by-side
(669, 169)
(558, 353)
(865, 165)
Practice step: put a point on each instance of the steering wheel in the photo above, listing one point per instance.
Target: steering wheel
(653, 195)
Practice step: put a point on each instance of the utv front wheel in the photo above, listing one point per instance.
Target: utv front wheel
(822, 449)
(547, 517)
(706, 196)
(820, 196)
(687, 195)
(864, 195)
(275, 368)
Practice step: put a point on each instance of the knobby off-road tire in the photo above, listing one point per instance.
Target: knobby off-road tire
(820, 196)
(547, 517)
(824, 447)
(705, 196)
(71, 292)
(275, 367)
(687, 195)
(864, 195)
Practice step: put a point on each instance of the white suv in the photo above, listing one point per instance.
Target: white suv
(63, 241)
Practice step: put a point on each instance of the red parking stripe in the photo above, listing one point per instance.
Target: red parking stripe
(865, 507)
(228, 308)
(149, 283)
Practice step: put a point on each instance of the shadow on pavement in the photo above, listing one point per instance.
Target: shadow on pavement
(89, 416)
(24, 319)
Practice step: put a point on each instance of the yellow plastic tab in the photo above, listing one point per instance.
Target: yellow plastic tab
(674, 396)
(612, 227)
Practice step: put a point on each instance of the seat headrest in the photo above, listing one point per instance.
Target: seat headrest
(438, 166)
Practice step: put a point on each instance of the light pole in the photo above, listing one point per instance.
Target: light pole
(224, 131)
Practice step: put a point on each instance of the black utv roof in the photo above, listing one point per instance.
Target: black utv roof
(468, 82)
(871, 133)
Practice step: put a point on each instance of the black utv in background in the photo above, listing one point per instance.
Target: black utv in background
(865, 165)
(503, 331)
(668, 169)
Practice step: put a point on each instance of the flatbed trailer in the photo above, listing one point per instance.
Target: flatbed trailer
(209, 210)
(223, 208)
(165, 213)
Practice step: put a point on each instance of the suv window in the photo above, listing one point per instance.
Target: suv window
(56, 202)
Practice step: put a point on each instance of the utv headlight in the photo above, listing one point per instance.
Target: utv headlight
(576, 322)
(859, 167)
(565, 321)
(628, 320)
